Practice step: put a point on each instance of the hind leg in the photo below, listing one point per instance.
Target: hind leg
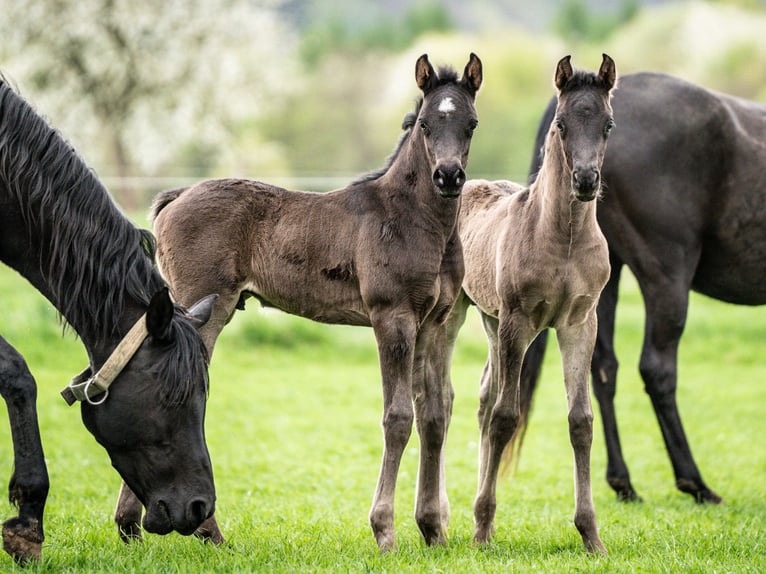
(604, 372)
(28, 489)
(666, 301)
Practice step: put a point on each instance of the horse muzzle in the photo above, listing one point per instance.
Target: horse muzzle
(586, 183)
(163, 518)
(449, 180)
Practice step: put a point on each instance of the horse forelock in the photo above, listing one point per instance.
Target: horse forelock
(584, 79)
(90, 256)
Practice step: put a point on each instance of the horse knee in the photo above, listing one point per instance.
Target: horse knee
(397, 427)
(580, 428)
(658, 373)
(432, 430)
(17, 385)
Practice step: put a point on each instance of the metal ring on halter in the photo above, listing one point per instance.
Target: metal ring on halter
(87, 396)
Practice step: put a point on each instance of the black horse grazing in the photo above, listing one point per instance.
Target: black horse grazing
(684, 208)
(60, 229)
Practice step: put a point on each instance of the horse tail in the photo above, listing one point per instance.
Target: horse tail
(539, 150)
(530, 374)
(162, 199)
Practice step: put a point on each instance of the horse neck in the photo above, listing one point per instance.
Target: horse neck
(559, 210)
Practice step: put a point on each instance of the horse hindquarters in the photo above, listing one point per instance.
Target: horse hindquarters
(23, 535)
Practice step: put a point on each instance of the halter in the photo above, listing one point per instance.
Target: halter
(84, 387)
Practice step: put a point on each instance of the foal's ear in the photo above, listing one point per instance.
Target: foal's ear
(607, 73)
(200, 312)
(563, 73)
(473, 75)
(160, 316)
(425, 75)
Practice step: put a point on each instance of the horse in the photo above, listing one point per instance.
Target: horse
(536, 258)
(382, 252)
(684, 209)
(61, 230)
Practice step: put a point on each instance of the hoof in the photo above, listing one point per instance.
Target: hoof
(130, 532)
(23, 540)
(386, 540)
(701, 493)
(596, 547)
(483, 534)
(623, 488)
(208, 531)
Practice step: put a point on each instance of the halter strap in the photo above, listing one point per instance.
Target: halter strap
(84, 387)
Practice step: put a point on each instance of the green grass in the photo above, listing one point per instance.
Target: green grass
(294, 433)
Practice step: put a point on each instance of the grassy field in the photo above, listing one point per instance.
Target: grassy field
(294, 433)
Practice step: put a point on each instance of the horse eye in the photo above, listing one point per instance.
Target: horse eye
(608, 127)
(561, 127)
(425, 128)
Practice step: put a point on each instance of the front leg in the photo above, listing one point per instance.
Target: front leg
(432, 395)
(23, 535)
(513, 335)
(576, 343)
(127, 515)
(395, 334)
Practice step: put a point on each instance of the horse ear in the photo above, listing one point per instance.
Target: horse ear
(473, 75)
(425, 75)
(564, 73)
(160, 315)
(200, 312)
(607, 73)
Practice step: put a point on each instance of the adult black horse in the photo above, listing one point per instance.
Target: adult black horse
(684, 208)
(60, 229)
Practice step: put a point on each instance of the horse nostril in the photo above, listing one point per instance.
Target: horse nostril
(198, 510)
(439, 179)
(459, 177)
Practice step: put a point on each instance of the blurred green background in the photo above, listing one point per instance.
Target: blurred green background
(309, 94)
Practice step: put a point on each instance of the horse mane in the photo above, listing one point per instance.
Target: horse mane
(446, 75)
(91, 257)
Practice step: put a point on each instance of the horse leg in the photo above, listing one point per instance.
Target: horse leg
(488, 388)
(431, 423)
(513, 336)
(396, 342)
(666, 304)
(576, 344)
(127, 515)
(28, 489)
(604, 371)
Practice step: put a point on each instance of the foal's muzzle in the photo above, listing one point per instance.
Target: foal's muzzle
(586, 183)
(449, 179)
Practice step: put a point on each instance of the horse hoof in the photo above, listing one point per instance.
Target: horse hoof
(596, 547)
(23, 540)
(701, 493)
(624, 489)
(386, 541)
(130, 532)
(208, 531)
(482, 535)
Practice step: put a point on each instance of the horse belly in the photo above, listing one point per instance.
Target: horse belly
(733, 275)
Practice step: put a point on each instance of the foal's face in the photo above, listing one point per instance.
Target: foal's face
(583, 122)
(446, 122)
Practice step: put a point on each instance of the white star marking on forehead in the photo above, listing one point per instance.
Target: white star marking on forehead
(446, 106)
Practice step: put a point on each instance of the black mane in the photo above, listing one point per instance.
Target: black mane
(91, 257)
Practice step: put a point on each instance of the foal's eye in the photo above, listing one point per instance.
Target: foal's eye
(561, 127)
(608, 127)
(472, 125)
(425, 128)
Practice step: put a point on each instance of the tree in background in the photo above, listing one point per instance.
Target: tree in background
(137, 79)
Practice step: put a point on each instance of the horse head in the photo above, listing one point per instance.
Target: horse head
(151, 422)
(583, 121)
(447, 119)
